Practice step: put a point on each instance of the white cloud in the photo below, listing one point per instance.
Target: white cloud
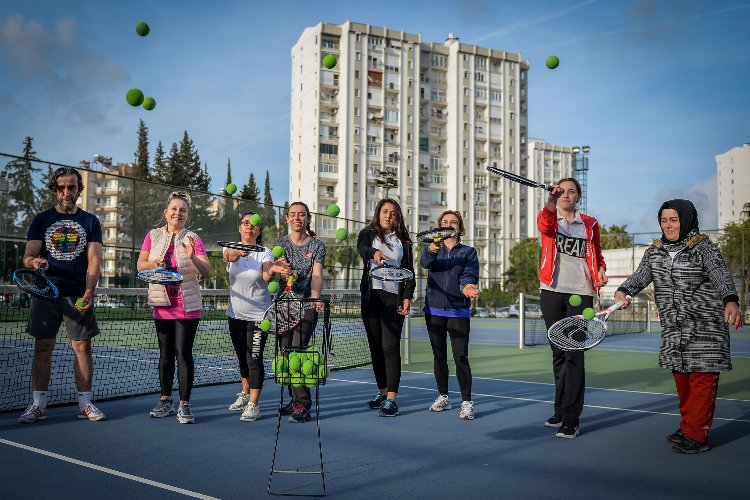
(703, 195)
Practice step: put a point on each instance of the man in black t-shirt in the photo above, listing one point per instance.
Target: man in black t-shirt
(66, 242)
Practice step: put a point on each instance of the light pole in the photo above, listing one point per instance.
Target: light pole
(581, 168)
(386, 180)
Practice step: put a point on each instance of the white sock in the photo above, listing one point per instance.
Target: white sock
(84, 398)
(40, 399)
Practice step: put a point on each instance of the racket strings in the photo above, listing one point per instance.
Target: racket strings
(391, 274)
(577, 333)
(35, 284)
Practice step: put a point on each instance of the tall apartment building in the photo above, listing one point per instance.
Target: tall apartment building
(733, 183)
(430, 115)
(547, 163)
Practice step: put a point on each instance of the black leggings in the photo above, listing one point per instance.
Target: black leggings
(249, 341)
(383, 326)
(438, 328)
(567, 366)
(176, 338)
(300, 337)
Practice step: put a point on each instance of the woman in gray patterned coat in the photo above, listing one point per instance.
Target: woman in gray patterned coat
(697, 301)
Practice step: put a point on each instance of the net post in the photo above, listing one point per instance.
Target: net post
(521, 318)
(648, 316)
(407, 338)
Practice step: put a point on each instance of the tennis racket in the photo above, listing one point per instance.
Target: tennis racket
(160, 276)
(436, 235)
(386, 272)
(576, 333)
(243, 247)
(35, 282)
(285, 313)
(517, 178)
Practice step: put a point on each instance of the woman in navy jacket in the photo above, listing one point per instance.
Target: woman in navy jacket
(385, 304)
(451, 284)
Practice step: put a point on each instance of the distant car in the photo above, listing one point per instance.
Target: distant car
(502, 312)
(481, 312)
(532, 311)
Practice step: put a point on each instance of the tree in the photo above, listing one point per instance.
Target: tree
(23, 201)
(523, 261)
(140, 168)
(250, 194)
(229, 171)
(269, 211)
(615, 237)
(734, 243)
(47, 198)
(176, 175)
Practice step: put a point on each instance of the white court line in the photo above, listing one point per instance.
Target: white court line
(533, 400)
(108, 471)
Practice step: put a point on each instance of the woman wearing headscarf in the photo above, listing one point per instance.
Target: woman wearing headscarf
(697, 301)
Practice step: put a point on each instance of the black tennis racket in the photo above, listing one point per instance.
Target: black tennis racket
(387, 272)
(517, 178)
(576, 333)
(285, 312)
(160, 276)
(243, 247)
(436, 235)
(36, 283)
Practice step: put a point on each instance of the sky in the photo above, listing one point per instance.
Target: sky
(656, 88)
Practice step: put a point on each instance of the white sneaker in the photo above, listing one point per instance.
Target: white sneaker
(441, 403)
(163, 408)
(251, 413)
(241, 402)
(91, 412)
(32, 414)
(184, 416)
(467, 410)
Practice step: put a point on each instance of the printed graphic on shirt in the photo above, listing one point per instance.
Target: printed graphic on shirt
(65, 240)
(569, 245)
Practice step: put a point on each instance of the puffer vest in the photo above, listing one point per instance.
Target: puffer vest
(190, 289)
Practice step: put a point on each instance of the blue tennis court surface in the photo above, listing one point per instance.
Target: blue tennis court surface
(505, 453)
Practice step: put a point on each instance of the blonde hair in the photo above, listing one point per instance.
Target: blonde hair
(180, 195)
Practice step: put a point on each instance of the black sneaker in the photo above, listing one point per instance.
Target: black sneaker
(676, 437)
(286, 410)
(567, 432)
(689, 446)
(553, 421)
(389, 409)
(300, 414)
(376, 401)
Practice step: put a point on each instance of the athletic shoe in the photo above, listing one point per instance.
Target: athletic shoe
(163, 408)
(441, 403)
(91, 412)
(553, 421)
(567, 432)
(467, 410)
(286, 410)
(676, 437)
(389, 409)
(689, 446)
(32, 414)
(251, 413)
(377, 401)
(299, 414)
(184, 416)
(240, 403)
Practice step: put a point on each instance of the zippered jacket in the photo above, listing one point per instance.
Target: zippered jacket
(449, 272)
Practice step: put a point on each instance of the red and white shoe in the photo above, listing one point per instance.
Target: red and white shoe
(91, 412)
(32, 414)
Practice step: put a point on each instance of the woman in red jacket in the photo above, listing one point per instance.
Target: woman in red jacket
(571, 264)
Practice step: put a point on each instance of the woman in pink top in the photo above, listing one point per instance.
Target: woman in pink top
(177, 308)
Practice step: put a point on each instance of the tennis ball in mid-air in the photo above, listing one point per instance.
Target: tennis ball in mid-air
(575, 300)
(330, 61)
(149, 103)
(231, 188)
(134, 97)
(255, 220)
(333, 210)
(142, 29)
(552, 62)
(265, 325)
(81, 303)
(341, 233)
(277, 251)
(273, 287)
(589, 313)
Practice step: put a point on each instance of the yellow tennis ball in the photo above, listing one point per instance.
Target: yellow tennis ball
(149, 103)
(134, 97)
(231, 188)
(552, 62)
(575, 300)
(341, 234)
(323, 372)
(142, 29)
(589, 313)
(265, 325)
(330, 61)
(81, 303)
(277, 251)
(333, 210)
(256, 220)
(273, 287)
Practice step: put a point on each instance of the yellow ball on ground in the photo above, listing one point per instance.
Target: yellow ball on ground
(589, 313)
(231, 188)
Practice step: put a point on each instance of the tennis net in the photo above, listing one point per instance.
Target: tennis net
(126, 352)
(534, 331)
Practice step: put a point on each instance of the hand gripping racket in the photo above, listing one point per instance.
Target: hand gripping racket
(436, 235)
(160, 276)
(243, 247)
(576, 333)
(36, 283)
(285, 312)
(517, 178)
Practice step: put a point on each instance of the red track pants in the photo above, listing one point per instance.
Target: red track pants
(697, 394)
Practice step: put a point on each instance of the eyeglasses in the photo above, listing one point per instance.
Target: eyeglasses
(247, 223)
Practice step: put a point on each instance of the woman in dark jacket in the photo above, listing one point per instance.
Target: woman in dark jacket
(385, 304)
(451, 284)
(697, 300)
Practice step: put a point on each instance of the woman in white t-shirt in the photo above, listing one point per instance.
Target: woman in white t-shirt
(249, 275)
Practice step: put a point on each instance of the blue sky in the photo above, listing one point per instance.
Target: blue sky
(657, 88)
